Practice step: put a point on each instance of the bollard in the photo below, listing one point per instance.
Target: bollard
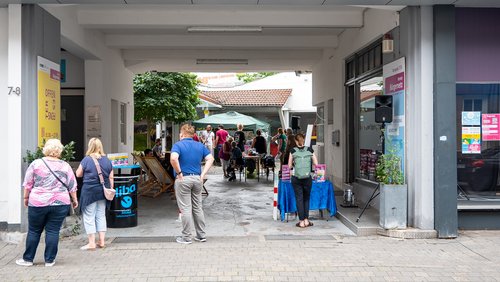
(275, 198)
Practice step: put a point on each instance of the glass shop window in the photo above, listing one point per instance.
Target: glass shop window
(478, 141)
(370, 145)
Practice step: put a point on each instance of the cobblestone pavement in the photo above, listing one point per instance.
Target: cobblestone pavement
(474, 256)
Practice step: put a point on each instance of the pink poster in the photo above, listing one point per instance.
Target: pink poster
(490, 127)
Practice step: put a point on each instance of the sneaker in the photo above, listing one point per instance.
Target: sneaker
(48, 264)
(22, 262)
(200, 239)
(182, 240)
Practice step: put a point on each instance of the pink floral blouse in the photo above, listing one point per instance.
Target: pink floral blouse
(45, 189)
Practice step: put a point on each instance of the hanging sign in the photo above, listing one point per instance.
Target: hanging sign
(471, 140)
(49, 100)
(490, 127)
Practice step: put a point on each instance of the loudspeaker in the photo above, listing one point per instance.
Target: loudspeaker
(295, 122)
(383, 109)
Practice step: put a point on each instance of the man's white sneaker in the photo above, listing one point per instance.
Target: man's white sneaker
(22, 262)
(200, 239)
(48, 264)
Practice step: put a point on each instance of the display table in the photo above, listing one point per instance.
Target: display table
(322, 197)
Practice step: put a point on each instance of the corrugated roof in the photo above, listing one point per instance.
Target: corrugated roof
(264, 97)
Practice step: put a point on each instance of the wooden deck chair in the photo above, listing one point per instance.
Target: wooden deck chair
(149, 181)
(164, 181)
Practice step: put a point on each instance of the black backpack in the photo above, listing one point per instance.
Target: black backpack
(269, 161)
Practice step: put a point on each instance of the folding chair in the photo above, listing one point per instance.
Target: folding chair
(148, 179)
(165, 182)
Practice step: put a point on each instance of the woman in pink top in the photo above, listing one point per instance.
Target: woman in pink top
(48, 184)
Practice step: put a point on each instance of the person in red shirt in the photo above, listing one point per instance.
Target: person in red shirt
(220, 138)
(195, 137)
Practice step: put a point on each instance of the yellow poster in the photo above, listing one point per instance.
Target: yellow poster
(49, 100)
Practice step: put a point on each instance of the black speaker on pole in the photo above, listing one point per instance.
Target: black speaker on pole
(295, 122)
(383, 109)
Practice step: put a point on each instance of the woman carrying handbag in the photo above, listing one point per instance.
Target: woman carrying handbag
(49, 190)
(97, 172)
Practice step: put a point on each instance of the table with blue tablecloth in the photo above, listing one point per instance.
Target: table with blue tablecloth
(322, 197)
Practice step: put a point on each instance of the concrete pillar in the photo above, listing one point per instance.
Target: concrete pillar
(445, 141)
(416, 44)
(14, 114)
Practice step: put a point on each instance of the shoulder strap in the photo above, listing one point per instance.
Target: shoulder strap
(99, 172)
(64, 184)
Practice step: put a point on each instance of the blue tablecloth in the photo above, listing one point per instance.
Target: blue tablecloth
(322, 197)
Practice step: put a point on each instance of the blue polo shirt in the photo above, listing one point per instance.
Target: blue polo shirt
(191, 153)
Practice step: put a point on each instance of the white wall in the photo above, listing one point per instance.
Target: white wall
(3, 103)
(106, 77)
(75, 76)
(328, 81)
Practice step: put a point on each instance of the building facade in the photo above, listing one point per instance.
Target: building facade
(442, 71)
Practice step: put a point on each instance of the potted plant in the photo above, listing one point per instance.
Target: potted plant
(68, 153)
(393, 191)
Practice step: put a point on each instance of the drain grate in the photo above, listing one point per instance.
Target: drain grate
(298, 237)
(132, 240)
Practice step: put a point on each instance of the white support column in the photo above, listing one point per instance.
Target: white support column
(13, 115)
(424, 204)
(420, 172)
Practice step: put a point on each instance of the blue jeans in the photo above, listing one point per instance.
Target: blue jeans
(49, 218)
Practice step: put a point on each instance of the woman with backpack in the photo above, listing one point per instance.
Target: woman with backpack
(302, 159)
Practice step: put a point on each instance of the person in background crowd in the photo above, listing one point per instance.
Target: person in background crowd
(220, 138)
(157, 149)
(235, 161)
(290, 144)
(225, 155)
(148, 153)
(93, 202)
(289, 132)
(259, 143)
(207, 138)
(49, 190)
(186, 158)
(239, 137)
(281, 138)
(303, 160)
(195, 137)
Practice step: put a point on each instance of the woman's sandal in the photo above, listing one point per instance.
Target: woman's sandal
(101, 246)
(310, 224)
(298, 225)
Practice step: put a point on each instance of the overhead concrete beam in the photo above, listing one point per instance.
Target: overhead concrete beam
(213, 15)
(219, 41)
(172, 54)
(189, 65)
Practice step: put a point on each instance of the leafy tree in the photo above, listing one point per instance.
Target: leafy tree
(169, 96)
(249, 77)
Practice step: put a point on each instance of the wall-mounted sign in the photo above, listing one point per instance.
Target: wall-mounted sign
(471, 118)
(49, 100)
(93, 121)
(471, 140)
(490, 127)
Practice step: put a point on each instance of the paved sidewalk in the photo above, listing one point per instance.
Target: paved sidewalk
(474, 256)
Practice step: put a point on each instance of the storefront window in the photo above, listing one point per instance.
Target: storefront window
(370, 145)
(478, 137)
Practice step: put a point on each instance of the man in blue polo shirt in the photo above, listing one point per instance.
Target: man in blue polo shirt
(186, 158)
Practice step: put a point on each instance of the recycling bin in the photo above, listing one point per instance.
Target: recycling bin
(123, 209)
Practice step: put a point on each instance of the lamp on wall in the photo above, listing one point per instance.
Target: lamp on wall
(387, 44)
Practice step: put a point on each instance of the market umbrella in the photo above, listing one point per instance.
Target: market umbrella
(231, 119)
